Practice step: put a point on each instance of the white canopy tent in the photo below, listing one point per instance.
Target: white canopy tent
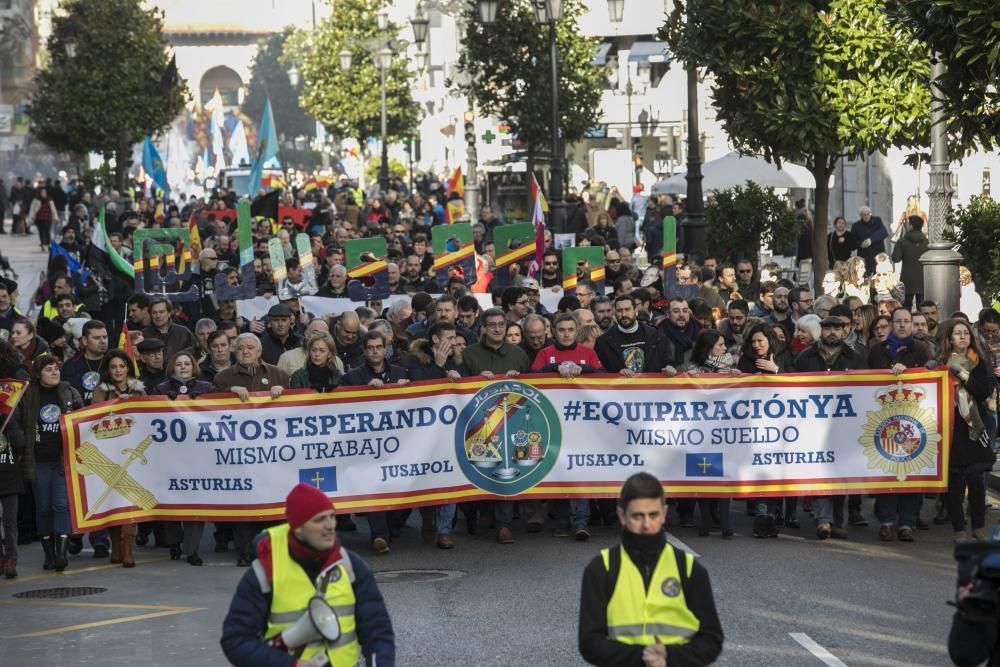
(735, 169)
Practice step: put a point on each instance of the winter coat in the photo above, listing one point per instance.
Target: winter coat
(301, 380)
(190, 388)
(908, 250)
(23, 424)
(964, 450)
(419, 363)
(107, 391)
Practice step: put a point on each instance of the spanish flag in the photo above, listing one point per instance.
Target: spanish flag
(125, 343)
(11, 391)
(273, 181)
(195, 235)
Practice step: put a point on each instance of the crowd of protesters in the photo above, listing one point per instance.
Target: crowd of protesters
(746, 319)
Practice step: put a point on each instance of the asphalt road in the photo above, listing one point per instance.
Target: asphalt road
(860, 601)
(864, 602)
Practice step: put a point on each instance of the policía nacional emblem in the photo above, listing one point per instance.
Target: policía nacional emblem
(901, 437)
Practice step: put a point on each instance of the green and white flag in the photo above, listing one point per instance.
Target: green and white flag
(103, 244)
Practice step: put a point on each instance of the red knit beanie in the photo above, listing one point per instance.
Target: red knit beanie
(303, 503)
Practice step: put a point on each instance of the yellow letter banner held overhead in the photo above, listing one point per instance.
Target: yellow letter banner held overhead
(529, 437)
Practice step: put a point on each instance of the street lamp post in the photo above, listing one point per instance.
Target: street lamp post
(941, 260)
(694, 222)
(381, 52)
(420, 23)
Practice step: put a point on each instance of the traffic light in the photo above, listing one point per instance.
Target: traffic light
(637, 154)
(470, 128)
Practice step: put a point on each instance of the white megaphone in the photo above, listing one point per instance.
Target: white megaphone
(318, 623)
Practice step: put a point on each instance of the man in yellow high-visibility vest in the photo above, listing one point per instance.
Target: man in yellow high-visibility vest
(644, 602)
(295, 562)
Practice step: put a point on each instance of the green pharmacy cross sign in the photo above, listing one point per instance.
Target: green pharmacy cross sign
(488, 136)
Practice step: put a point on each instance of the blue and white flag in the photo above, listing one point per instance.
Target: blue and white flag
(267, 148)
(153, 165)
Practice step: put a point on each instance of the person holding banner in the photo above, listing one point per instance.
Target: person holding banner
(645, 602)
(249, 374)
(271, 621)
(376, 372)
(830, 353)
(12, 485)
(35, 428)
(897, 353)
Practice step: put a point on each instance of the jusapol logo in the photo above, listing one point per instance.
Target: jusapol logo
(507, 438)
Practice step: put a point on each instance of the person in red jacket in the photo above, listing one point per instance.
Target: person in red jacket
(566, 356)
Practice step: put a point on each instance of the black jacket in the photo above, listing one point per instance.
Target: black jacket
(364, 374)
(273, 347)
(908, 251)
(810, 360)
(914, 355)
(614, 345)
(964, 450)
(597, 649)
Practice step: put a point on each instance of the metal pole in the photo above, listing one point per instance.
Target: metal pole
(940, 261)
(555, 168)
(383, 170)
(628, 121)
(694, 223)
(471, 179)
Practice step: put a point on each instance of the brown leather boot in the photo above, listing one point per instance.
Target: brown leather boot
(127, 542)
(115, 533)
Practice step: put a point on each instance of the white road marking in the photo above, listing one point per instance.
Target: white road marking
(808, 644)
(680, 545)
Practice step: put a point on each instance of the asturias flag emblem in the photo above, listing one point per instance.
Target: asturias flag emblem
(703, 465)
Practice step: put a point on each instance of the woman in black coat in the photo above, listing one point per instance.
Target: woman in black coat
(971, 451)
(12, 484)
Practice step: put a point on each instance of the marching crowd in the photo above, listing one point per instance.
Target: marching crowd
(745, 319)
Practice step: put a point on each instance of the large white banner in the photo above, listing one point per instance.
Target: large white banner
(528, 437)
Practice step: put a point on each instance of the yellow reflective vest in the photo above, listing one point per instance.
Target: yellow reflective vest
(292, 590)
(640, 617)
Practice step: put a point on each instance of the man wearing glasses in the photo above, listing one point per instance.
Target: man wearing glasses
(551, 276)
(800, 301)
(613, 268)
(746, 281)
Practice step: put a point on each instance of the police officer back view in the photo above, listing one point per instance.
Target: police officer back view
(298, 562)
(643, 602)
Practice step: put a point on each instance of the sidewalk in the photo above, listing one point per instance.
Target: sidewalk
(26, 258)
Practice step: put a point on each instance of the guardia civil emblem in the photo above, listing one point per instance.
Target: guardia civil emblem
(507, 438)
(901, 437)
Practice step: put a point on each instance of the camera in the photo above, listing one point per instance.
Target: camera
(979, 565)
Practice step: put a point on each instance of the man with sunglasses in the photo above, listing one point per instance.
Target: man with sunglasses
(551, 275)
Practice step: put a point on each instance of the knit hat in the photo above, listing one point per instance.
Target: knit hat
(303, 503)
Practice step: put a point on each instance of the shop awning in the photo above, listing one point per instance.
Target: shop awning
(654, 52)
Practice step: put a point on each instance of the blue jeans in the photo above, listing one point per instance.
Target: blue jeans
(573, 513)
(503, 513)
(445, 517)
(829, 509)
(907, 505)
(51, 500)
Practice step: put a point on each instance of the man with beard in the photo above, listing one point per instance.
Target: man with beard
(829, 353)
(726, 282)
(921, 333)
(631, 347)
(643, 304)
(416, 281)
(603, 311)
(779, 311)
(680, 329)
(551, 275)
(736, 324)
(929, 310)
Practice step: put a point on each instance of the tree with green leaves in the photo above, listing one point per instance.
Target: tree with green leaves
(348, 102)
(507, 70)
(105, 88)
(966, 35)
(744, 218)
(809, 81)
(976, 230)
(269, 78)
